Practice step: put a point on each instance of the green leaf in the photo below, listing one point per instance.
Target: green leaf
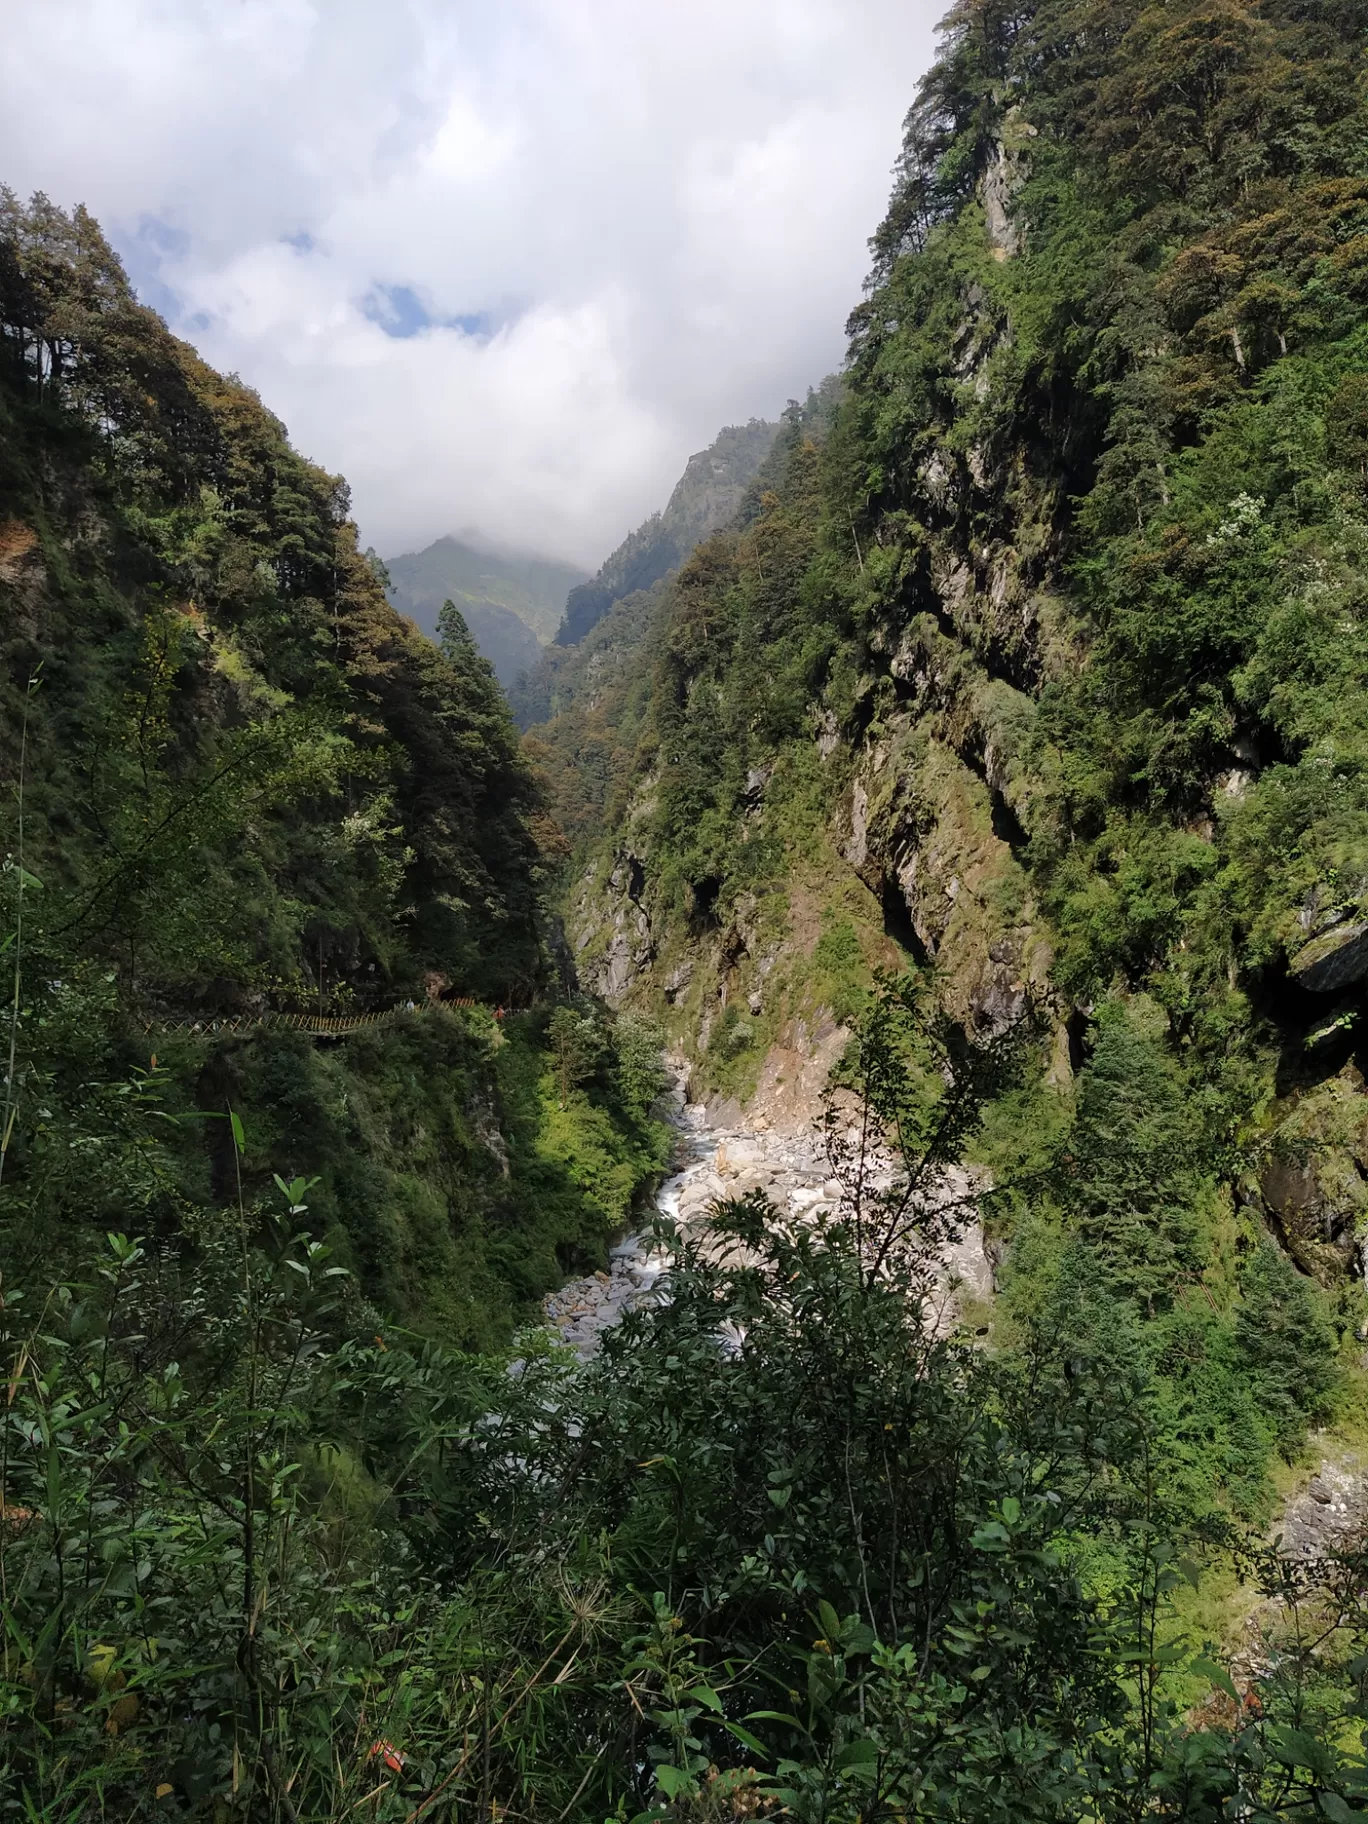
(854, 1755)
(991, 1537)
(744, 1736)
(1337, 1811)
(857, 1636)
(671, 1780)
(239, 1137)
(1294, 1748)
(1208, 1669)
(704, 1694)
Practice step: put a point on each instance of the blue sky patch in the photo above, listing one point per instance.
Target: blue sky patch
(162, 236)
(478, 324)
(143, 252)
(397, 309)
(400, 312)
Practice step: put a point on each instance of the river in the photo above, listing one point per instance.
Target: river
(718, 1161)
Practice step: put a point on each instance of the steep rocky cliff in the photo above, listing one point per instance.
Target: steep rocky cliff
(705, 498)
(1041, 662)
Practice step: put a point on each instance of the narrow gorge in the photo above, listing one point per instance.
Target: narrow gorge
(759, 1209)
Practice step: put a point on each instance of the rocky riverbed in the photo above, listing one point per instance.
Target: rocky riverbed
(719, 1155)
(1329, 1512)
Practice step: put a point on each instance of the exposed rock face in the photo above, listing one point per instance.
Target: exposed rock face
(628, 953)
(794, 1074)
(922, 831)
(1330, 1513)
(490, 1135)
(937, 806)
(23, 573)
(1314, 1181)
(678, 980)
(610, 930)
(1315, 1211)
(1004, 176)
(1003, 235)
(1333, 960)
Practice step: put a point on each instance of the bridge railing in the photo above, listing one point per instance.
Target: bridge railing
(318, 1025)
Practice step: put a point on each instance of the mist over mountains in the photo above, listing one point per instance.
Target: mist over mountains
(512, 605)
(516, 606)
(706, 496)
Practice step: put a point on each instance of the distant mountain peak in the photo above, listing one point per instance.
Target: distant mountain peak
(705, 497)
(512, 604)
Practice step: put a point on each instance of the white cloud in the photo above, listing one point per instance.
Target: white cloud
(626, 223)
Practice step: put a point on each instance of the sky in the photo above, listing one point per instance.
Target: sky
(505, 264)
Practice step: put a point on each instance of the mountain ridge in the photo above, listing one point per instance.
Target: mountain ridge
(705, 497)
(1039, 670)
(993, 784)
(512, 604)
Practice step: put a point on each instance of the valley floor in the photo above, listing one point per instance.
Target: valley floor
(724, 1153)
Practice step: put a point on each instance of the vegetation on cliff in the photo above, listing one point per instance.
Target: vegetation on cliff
(1055, 649)
(1051, 639)
(1034, 656)
(238, 782)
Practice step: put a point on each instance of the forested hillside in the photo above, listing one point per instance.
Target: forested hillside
(598, 689)
(1037, 667)
(1012, 731)
(239, 785)
(1045, 657)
